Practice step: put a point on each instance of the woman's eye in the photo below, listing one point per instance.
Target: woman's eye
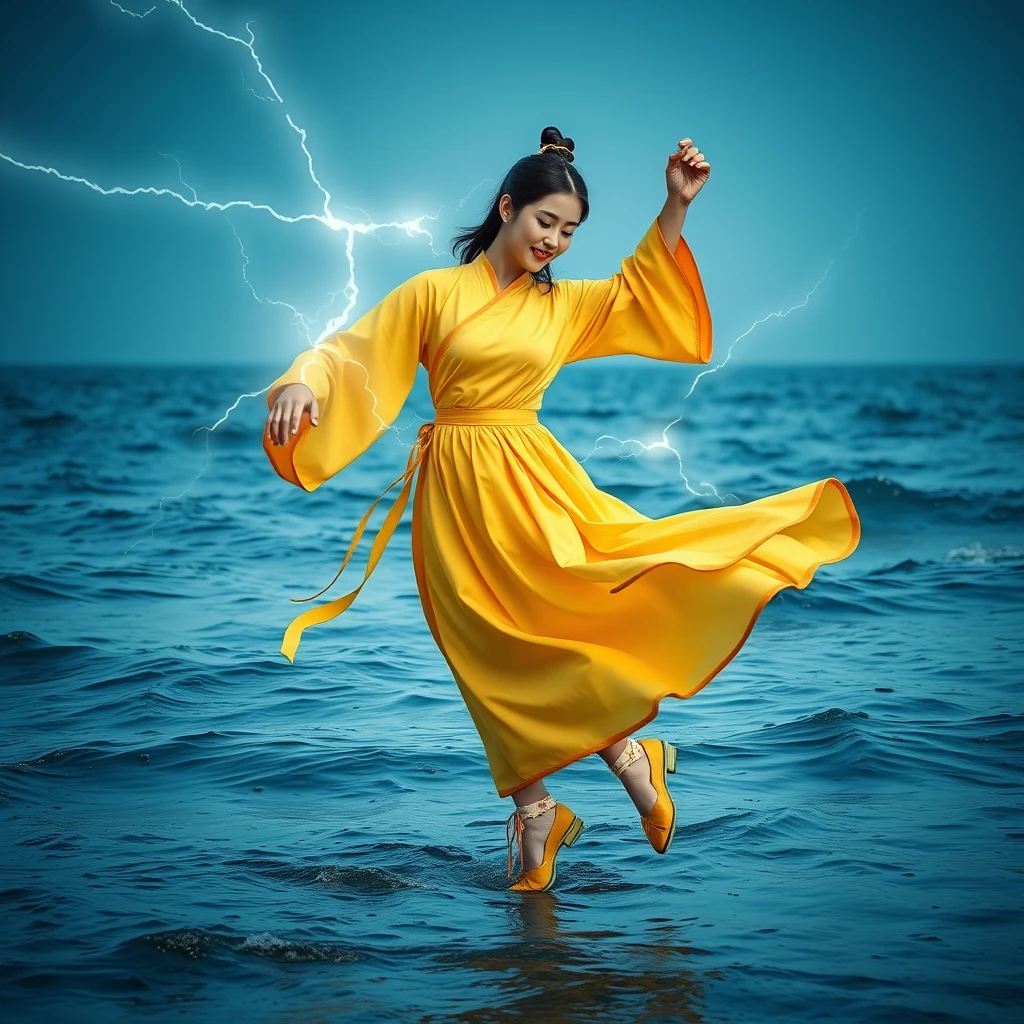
(568, 234)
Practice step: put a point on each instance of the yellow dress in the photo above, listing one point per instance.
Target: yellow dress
(564, 614)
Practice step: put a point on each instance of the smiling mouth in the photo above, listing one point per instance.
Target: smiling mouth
(541, 254)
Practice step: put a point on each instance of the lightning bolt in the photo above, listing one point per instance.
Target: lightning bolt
(327, 218)
(305, 323)
(132, 14)
(664, 442)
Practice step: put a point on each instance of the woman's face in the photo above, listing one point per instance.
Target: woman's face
(541, 231)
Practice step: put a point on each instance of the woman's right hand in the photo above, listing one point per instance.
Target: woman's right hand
(286, 412)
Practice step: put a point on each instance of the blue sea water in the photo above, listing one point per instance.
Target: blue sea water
(193, 827)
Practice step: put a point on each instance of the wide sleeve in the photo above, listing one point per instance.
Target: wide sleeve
(361, 378)
(655, 307)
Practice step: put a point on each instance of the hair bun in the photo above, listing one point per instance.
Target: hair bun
(551, 136)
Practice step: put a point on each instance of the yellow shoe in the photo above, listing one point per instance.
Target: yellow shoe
(659, 823)
(565, 830)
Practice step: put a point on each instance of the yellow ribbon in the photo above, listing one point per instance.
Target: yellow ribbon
(326, 612)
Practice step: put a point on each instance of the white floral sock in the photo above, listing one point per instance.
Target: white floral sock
(531, 825)
(634, 770)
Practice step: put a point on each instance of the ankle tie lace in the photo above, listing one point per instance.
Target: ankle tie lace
(514, 825)
(632, 753)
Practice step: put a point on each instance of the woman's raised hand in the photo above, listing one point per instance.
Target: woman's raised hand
(286, 412)
(686, 172)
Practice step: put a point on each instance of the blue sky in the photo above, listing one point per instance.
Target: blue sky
(894, 123)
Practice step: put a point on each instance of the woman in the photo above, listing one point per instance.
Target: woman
(565, 615)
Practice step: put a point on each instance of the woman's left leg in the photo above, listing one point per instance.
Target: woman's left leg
(628, 760)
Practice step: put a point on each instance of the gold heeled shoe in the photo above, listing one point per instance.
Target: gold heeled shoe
(659, 823)
(565, 830)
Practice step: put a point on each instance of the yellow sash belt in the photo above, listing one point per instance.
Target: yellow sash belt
(463, 417)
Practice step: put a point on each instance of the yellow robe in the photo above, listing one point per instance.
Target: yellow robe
(564, 614)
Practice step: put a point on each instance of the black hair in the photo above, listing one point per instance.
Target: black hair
(527, 181)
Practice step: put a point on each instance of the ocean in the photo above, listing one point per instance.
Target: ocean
(193, 827)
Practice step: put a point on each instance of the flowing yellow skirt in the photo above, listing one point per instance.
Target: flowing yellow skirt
(564, 614)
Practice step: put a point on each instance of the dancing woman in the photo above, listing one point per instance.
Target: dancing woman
(564, 614)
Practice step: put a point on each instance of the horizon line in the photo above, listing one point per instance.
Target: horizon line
(766, 364)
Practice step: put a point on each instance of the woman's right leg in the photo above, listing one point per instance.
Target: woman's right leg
(537, 826)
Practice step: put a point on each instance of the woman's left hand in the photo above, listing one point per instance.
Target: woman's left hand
(686, 172)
